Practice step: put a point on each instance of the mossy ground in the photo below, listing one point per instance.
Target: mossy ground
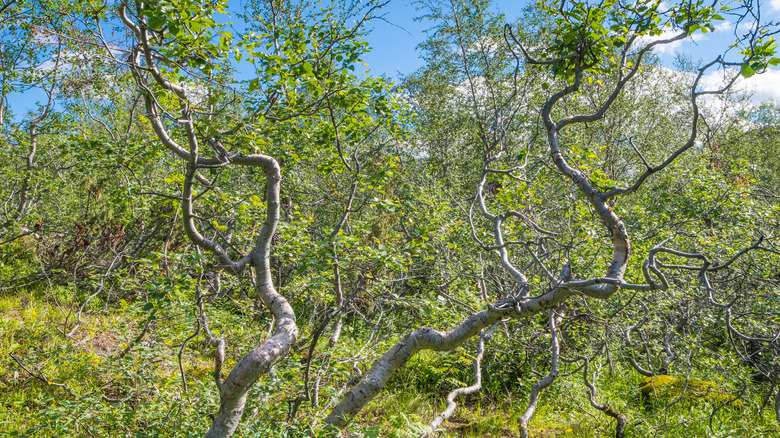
(152, 403)
(670, 388)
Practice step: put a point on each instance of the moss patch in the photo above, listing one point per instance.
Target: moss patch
(667, 388)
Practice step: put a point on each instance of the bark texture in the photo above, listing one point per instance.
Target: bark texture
(426, 338)
(234, 389)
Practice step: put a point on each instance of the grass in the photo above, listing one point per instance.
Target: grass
(152, 403)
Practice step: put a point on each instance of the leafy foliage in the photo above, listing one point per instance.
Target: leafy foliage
(113, 313)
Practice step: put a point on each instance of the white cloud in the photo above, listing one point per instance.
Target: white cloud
(67, 58)
(765, 85)
(725, 26)
(485, 43)
(671, 48)
(762, 86)
(774, 5)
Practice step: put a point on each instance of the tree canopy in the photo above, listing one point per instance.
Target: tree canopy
(224, 229)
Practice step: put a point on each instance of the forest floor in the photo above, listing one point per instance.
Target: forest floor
(83, 386)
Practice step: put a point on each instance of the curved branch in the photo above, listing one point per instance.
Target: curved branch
(451, 405)
(539, 386)
(618, 191)
(235, 388)
(426, 338)
(627, 337)
(620, 428)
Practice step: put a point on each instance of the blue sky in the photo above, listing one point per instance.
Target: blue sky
(394, 40)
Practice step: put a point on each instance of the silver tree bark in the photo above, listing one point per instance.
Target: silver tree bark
(521, 305)
(234, 389)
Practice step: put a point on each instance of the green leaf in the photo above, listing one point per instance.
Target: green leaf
(747, 71)
(156, 23)
(308, 69)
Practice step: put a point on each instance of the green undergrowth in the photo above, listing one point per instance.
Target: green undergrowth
(141, 393)
(564, 411)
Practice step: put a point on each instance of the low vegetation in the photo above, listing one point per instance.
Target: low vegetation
(214, 229)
